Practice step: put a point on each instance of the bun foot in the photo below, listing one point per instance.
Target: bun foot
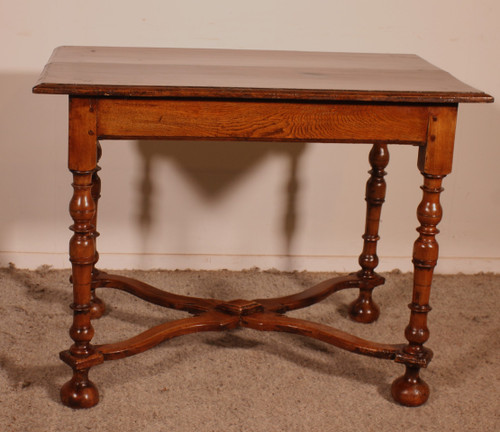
(97, 308)
(79, 392)
(364, 309)
(410, 390)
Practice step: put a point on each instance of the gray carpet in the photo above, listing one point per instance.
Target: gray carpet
(246, 380)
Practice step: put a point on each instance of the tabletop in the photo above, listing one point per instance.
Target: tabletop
(217, 73)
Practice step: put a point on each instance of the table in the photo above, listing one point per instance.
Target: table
(238, 95)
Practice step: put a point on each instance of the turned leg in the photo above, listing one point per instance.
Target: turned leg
(410, 389)
(79, 392)
(98, 307)
(363, 309)
(435, 161)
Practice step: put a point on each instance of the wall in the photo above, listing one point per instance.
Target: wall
(230, 205)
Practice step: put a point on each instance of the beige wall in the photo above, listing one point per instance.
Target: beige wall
(228, 205)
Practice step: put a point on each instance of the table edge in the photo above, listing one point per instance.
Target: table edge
(261, 93)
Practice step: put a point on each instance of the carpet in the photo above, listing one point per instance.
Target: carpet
(246, 380)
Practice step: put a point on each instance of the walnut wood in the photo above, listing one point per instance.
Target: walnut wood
(324, 333)
(381, 99)
(310, 296)
(198, 305)
(195, 73)
(410, 389)
(261, 121)
(212, 321)
(436, 156)
(257, 314)
(218, 315)
(364, 309)
(79, 391)
(155, 295)
(82, 363)
(434, 162)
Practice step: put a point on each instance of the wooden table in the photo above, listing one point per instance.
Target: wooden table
(129, 93)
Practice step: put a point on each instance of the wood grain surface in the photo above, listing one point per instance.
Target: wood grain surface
(178, 72)
(261, 121)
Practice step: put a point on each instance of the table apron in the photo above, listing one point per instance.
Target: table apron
(261, 121)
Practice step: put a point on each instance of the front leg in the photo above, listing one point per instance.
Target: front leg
(410, 389)
(434, 162)
(80, 392)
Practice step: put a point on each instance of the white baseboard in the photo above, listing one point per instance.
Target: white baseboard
(446, 265)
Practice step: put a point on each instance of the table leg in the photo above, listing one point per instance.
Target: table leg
(364, 309)
(410, 389)
(79, 392)
(434, 162)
